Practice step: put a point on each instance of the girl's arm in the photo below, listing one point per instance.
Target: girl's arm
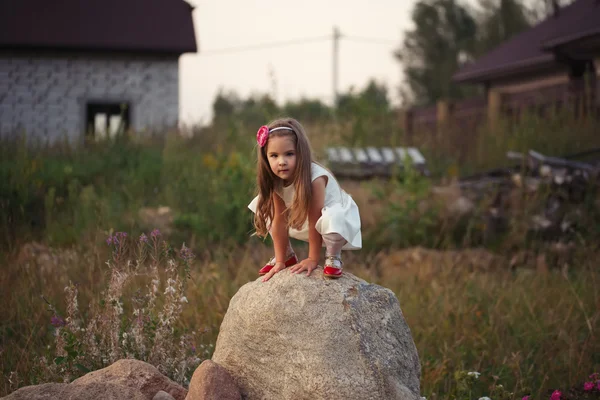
(315, 240)
(279, 234)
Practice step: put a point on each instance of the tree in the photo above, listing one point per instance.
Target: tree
(539, 10)
(444, 33)
(254, 110)
(367, 115)
(499, 21)
(225, 105)
(308, 110)
(372, 100)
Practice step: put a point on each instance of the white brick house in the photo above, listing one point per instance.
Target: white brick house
(72, 69)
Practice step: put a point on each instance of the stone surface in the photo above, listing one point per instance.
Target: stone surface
(136, 374)
(162, 395)
(299, 337)
(65, 391)
(212, 382)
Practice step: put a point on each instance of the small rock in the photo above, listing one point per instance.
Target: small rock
(461, 206)
(160, 218)
(91, 391)
(136, 374)
(212, 382)
(162, 395)
(540, 222)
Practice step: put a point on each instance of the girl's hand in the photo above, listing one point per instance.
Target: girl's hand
(278, 267)
(304, 265)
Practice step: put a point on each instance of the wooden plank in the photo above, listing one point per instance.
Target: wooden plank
(332, 155)
(401, 154)
(360, 155)
(346, 155)
(416, 155)
(388, 155)
(363, 163)
(559, 162)
(374, 155)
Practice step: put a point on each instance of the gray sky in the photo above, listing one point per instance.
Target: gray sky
(297, 71)
(291, 72)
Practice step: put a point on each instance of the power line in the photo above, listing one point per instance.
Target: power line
(294, 42)
(370, 40)
(238, 49)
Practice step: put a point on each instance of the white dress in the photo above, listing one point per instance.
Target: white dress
(339, 214)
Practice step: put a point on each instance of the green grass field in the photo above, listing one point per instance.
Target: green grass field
(530, 330)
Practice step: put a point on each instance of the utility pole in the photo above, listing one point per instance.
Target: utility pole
(336, 38)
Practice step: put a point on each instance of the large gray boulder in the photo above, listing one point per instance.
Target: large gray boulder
(299, 337)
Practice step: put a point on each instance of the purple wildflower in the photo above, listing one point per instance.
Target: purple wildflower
(556, 395)
(109, 240)
(598, 385)
(155, 233)
(121, 235)
(57, 321)
(193, 348)
(143, 238)
(186, 254)
(588, 386)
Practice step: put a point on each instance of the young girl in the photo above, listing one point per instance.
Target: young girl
(299, 198)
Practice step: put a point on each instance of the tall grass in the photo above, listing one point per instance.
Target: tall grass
(529, 332)
(459, 151)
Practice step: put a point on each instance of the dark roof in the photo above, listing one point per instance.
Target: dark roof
(529, 48)
(581, 26)
(139, 26)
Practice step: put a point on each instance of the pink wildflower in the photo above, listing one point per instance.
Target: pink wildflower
(526, 397)
(588, 386)
(556, 395)
(594, 376)
(186, 254)
(57, 321)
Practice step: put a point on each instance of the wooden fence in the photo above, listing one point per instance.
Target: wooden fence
(471, 113)
(454, 125)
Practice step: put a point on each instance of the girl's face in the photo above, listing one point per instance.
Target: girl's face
(281, 153)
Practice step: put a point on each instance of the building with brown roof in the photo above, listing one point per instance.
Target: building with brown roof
(71, 67)
(554, 57)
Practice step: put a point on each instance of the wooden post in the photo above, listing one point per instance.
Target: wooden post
(494, 107)
(405, 117)
(442, 115)
(597, 94)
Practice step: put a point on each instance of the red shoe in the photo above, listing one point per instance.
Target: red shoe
(333, 267)
(292, 260)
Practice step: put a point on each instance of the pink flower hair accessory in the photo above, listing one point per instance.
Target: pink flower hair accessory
(262, 135)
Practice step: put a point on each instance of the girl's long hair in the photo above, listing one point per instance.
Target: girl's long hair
(268, 183)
